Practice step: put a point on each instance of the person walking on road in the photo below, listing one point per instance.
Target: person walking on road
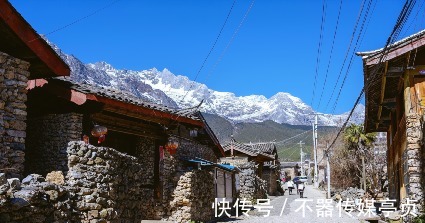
(301, 187)
(290, 185)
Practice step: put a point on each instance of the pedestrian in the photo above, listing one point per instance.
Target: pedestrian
(290, 185)
(301, 187)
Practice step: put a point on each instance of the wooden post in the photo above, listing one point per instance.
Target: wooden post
(363, 174)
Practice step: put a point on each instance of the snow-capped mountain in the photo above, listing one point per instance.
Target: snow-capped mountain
(164, 87)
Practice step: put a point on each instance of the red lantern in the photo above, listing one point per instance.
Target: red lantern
(172, 145)
(99, 132)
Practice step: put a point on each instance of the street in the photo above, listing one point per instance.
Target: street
(313, 207)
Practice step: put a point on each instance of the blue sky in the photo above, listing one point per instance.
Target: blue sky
(274, 51)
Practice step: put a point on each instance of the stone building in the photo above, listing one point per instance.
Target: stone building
(46, 125)
(271, 169)
(395, 92)
(165, 186)
(24, 55)
(254, 180)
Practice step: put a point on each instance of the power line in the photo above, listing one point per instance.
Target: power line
(404, 14)
(331, 53)
(283, 141)
(346, 53)
(319, 49)
(212, 69)
(352, 55)
(209, 53)
(77, 20)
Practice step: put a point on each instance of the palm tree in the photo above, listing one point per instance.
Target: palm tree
(360, 143)
(357, 139)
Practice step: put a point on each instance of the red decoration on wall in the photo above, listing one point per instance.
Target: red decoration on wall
(171, 145)
(161, 153)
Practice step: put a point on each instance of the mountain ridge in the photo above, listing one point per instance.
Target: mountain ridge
(178, 91)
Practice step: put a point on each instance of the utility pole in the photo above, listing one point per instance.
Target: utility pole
(301, 153)
(363, 174)
(316, 183)
(328, 171)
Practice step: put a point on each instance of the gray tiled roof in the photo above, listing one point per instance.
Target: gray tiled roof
(265, 147)
(124, 96)
(245, 148)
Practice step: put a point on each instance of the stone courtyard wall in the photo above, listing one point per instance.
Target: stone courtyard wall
(13, 82)
(109, 185)
(193, 196)
(187, 193)
(47, 141)
(270, 176)
(105, 185)
(413, 159)
(252, 187)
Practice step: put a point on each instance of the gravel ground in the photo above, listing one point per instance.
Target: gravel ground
(290, 208)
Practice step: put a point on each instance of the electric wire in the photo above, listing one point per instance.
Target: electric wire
(294, 147)
(295, 136)
(212, 69)
(356, 46)
(319, 50)
(414, 19)
(346, 53)
(331, 53)
(403, 16)
(210, 51)
(77, 20)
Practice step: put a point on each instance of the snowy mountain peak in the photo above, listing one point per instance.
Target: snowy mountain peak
(164, 87)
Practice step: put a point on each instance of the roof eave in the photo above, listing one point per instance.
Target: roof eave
(20, 40)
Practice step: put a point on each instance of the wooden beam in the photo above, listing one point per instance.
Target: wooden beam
(145, 113)
(389, 100)
(30, 41)
(395, 72)
(383, 82)
(125, 122)
(398, 51)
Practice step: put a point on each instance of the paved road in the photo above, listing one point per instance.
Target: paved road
(291, 208)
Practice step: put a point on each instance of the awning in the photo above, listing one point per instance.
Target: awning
(207, 163)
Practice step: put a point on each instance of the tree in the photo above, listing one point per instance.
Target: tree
(360, 145)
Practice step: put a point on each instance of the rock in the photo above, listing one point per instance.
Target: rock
(3, 179)
(93, 214)
(18, 203)
(14, 183)
(33, 178)
(55, 177)
(103, 213)
(4, 188)
(98, 160)
(73, 159)
(53, 195)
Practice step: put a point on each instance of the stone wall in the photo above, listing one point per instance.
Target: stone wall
(190, 149)
(414, 158)
(145, 153)
(105, 185)
(193, 196)
(13, 82)
(34, 200)
(109, 185)
(186, 194)
(47, 141)
(251, 186)
(270, 176)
